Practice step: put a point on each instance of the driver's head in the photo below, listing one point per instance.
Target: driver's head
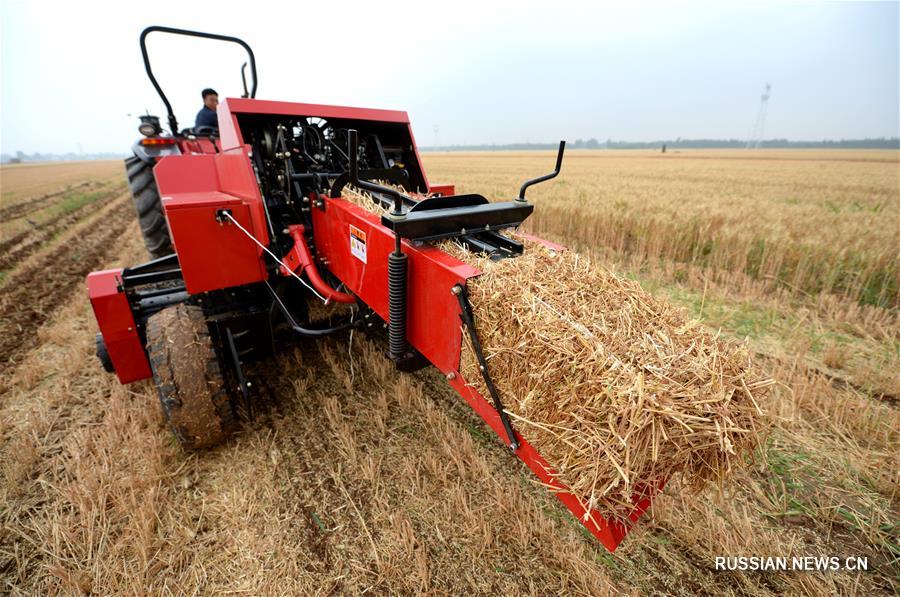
(210, 98)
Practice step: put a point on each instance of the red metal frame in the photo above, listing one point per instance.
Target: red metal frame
(113, 314)
(232, 140)
(432, 323)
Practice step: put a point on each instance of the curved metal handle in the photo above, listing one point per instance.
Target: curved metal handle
(244, 79)
(173, 123)
(533, 181)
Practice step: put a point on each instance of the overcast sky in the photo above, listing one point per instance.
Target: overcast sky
(482, 72)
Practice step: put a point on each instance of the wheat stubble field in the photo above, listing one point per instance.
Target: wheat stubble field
(353, 478)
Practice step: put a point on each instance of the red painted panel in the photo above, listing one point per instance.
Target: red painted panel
(433, 325)
(236, 177)
(444, 189)
(117, 325)
(239, 105)
(200, 145)
(186, 174)
(229, 108)
(229, 133)
(212, 254)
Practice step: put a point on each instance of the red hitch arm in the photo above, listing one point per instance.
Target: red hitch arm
(299, 257)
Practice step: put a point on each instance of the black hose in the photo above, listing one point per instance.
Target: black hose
(304, 331)
(319, 333)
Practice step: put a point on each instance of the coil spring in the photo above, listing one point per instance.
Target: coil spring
(397, 267)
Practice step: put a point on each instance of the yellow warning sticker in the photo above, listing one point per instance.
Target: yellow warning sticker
(358, 243)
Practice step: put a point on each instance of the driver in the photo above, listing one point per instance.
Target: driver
(207, 114)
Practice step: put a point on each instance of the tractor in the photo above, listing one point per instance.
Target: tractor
(248, 228)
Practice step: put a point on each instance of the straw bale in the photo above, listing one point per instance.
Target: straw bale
(617, 389)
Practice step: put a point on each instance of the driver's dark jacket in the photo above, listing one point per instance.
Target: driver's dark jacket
(206, 117)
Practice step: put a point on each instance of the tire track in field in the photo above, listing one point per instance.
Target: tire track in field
(26, 243)
(34, 291)
(22, 208)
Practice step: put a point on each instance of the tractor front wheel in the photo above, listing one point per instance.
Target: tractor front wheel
(194, 397)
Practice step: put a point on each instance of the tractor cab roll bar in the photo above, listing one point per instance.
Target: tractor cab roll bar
(173, 123)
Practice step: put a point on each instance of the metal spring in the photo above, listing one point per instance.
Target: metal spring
(397, 267)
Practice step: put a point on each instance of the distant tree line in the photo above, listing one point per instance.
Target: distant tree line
(592, 143)
(21, 157)
(679, 143)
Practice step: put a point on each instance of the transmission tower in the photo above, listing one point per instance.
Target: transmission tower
(756, 133)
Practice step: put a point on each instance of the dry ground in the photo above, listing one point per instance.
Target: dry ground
(353, 478)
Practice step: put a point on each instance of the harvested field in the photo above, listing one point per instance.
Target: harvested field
(32, 291)
(30, 184)
(811, 221)
(26, 231)
(355, 478)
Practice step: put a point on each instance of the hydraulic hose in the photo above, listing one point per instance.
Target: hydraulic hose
(308, 266)
(305, 331)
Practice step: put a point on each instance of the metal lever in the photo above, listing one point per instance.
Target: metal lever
(244, 79)
(365, 184)
(468, 318)
(559, 157)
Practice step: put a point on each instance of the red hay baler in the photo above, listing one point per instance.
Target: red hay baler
(247, 225)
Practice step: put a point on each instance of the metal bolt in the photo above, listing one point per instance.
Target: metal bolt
(463, 231)
(456, 289)
(451, 375)
(481, 368)
(130, 329)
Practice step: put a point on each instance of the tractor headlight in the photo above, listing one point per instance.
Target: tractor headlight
(149, 126)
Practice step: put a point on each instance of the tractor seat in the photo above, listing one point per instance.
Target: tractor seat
(201, 131)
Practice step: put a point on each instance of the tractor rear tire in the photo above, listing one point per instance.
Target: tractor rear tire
(148, 207)
(192, 390)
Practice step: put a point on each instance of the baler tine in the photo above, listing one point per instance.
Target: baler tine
(263, 193)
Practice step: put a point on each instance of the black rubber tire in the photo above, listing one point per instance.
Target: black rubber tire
(192, 390)
(148, 207)
(103, 354)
